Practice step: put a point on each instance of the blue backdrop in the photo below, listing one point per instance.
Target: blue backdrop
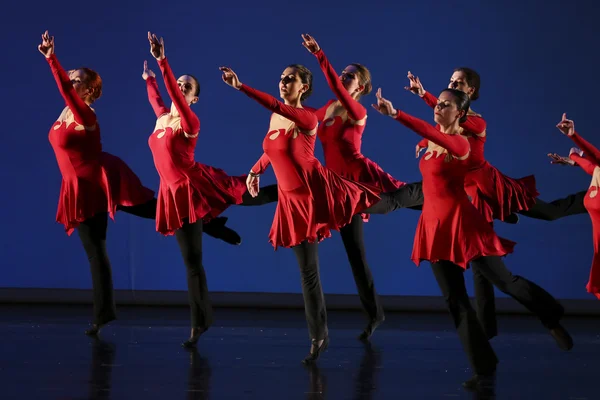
(536, 62)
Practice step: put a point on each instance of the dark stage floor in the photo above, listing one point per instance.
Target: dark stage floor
(255, 354)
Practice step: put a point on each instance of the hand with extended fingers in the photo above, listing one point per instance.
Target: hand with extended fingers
(147, 72)
(310, 43)
(157, 46)
(384, 106)
(556, 159)
(416, 87)
(47, 45)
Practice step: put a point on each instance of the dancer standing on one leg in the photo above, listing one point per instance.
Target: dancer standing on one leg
(452, 233)
(190, 193)
(343, 122)
(95, 184)
(494, 194)
(312, 199)
(590, 164)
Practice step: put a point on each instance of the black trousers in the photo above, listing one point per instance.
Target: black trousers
(307, 255)
(189, 238)
(408, 196)
(266, 194)
(411, 196)
(352, 236)
(92, 233)
(560, 208)
(473, 338)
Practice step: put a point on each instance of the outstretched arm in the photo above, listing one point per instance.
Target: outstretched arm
(82, 113)
(304, 119)
(455, 144)
(584, 163)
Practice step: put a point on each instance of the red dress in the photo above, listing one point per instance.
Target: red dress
(341, 136)
(312, 199)
(450, 227)
(187, 189)
(591, 165)
(92, 181)
(494, 194)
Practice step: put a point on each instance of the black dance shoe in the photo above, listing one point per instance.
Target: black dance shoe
(95, 329)
(217, 229)
(191, 342)
(365, 336)
(481, 382)
(315, 350)
(562, 337)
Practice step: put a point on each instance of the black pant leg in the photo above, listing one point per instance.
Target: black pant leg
(314, 301)
(146, 210)
(451, 281)
(530, 295)
(352, 236)
(92, 233)
(189, 238)
(560, 208)
(267, 194)
(485, 302)
(408, 196)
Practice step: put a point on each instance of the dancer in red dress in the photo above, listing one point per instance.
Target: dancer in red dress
(190, 194)
(452, 233)
(94, 183)
(312, 200)
(590, 164)
(342, 123)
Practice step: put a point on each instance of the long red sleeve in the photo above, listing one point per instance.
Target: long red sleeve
(303, 118)
(584, 163)
(82, 113)
(455, 144)
(430, 99)
(261, 165)
(587, 147)
(155, 98)
(474, 125)
(189, 120)
(355, 110)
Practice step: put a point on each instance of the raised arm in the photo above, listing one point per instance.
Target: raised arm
(355, 110)
(154, 96)
(189, 120)
(82, 113)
